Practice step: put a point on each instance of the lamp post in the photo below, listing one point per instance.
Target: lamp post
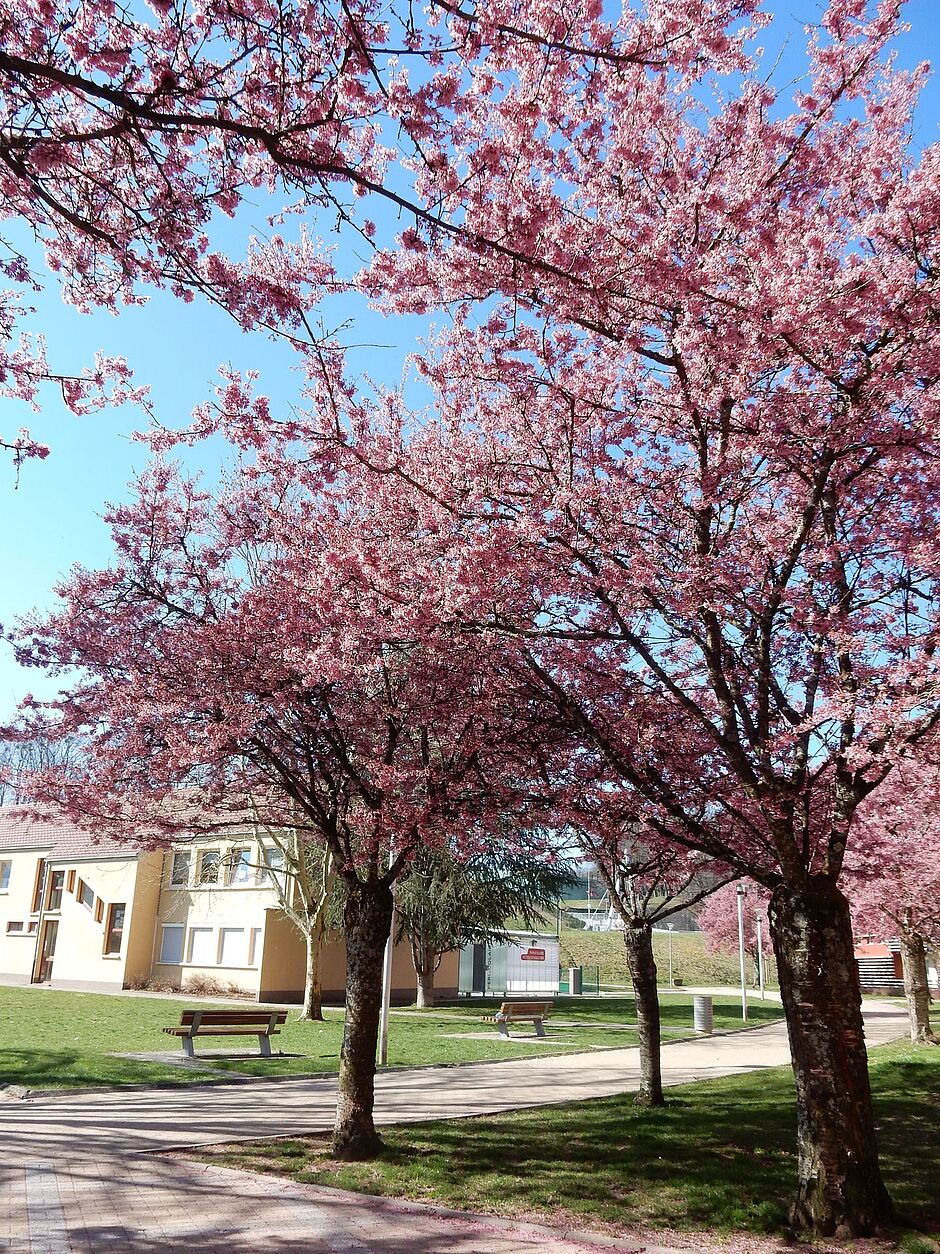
(760, 955)
(670, 926)
(741, 891)
(387, 978)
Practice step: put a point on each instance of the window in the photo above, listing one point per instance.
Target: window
(254, 946)
(32, 927)
(5, 868)
(201, 946)
(114, 932)
(209, 867)
(179, 875)
(239, 866)
(14, 927)
(40, 884)
(71, 882)
(85, 895)
(171, 944)
(273, 861)
(56, 885)
(232, 947)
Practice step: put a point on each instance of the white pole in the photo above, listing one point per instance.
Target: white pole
(760, 956)
(387, 981)
(670, 926)
(741, 891)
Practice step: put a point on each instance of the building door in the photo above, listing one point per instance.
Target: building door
(478, 987)
(50, 933)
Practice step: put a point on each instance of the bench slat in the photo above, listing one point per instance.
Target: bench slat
(232, 1016)
(261, 1023)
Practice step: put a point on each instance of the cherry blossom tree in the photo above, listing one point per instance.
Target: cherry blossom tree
(894, 876)
(718, 918)
(127, 133)
(237, 668)
(686, 455)
(695, 468)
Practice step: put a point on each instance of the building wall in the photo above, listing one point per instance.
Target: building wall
(81, 958)
(284, 961)
(142, 925)
(18, 924)
(284, 966)
(222, 923)
(224, 936)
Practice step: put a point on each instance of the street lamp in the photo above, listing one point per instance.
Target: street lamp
(670, 926)
(760, 955)
(741, 891)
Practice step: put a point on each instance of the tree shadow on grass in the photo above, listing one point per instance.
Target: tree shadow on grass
(719, 1156)
(907, 1112)
(69, 1069)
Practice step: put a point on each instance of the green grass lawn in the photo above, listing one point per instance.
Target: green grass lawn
(57, 1039)
(718, 1157)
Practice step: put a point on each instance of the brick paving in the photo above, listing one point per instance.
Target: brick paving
(78, 1172)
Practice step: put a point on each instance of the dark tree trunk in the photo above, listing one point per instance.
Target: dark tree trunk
(916, 988)
(840, 1190)
(639, 942)
(368, 920)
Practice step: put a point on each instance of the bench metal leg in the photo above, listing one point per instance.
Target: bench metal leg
(264, 1044)
(539, 1028)
(188, 1046)
(503, 1027)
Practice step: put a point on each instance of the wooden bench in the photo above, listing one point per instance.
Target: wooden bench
(261, 1023)
(521, 1012)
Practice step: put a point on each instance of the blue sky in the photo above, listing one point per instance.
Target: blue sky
(53, 518)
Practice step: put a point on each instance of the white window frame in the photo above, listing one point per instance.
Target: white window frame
(202, 882)
(266, 871)
(172, 927)
(226, 961)
(180, 854)
(212, 950)
(239, 860)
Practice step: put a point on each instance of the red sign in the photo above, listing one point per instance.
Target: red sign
(533, 955)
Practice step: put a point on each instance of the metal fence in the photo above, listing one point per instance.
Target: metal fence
(583, 980)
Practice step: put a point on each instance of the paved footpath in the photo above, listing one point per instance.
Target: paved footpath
(76, 1175)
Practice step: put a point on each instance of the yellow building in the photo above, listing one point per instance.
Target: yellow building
(202, 916)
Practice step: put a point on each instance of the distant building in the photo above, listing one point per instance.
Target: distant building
(76, 912)
(525, 963)
(879, 967)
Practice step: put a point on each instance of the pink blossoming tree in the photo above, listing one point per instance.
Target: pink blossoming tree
(687, 449)
(894, 876)
(237, 668)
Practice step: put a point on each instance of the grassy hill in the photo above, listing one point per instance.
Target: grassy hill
(605, 950)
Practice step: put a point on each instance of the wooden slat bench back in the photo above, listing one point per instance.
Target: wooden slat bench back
(261, 1023)
(535, 1012)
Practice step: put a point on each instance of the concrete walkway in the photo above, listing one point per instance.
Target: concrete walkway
(75, 1174)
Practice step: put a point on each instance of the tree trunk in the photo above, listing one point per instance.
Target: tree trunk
(313, 990)
(638, 939)
(916, 989)
(840, 1190)
(368, 919)
(425, 964)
